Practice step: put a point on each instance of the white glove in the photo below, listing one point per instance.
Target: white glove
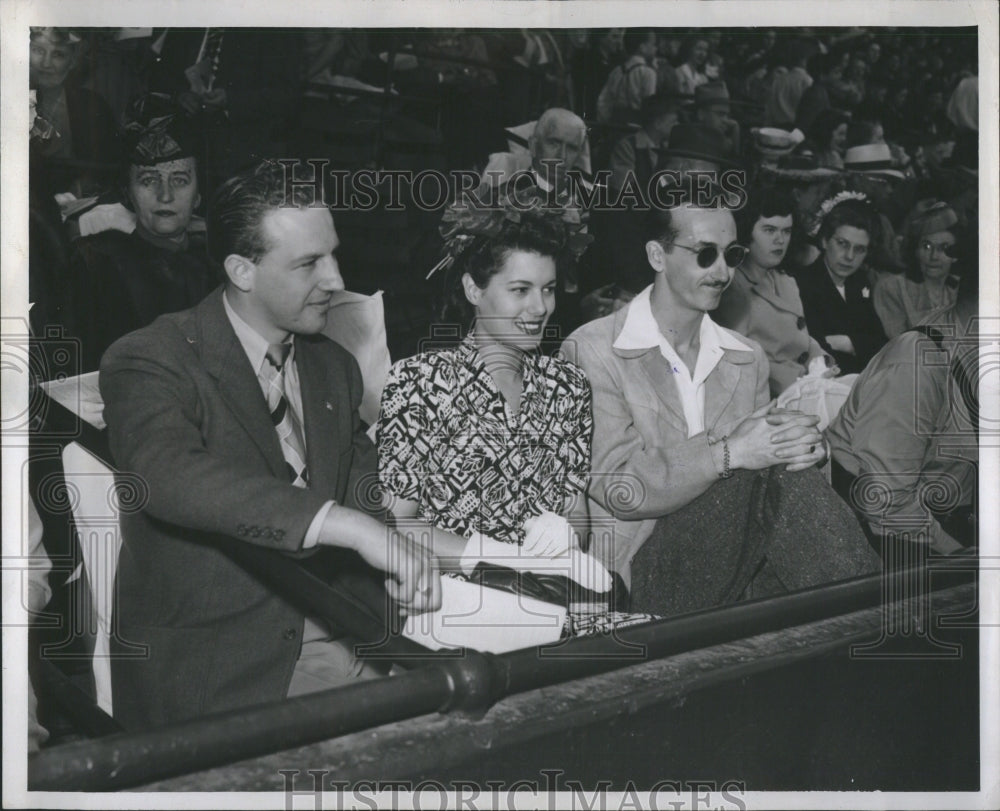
(108, 217)
(549, 535)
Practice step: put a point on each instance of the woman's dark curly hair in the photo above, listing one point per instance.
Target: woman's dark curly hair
(486, 256)
(762, 202)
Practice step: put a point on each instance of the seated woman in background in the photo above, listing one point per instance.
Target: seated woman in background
(836, 294)
(903, 300)
(81, 139)
(763, 301)
(123, 281)
(491, 436)
(827, 136)
(910, 429)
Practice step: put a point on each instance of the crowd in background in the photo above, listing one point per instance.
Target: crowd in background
(856, 152)
(322, 94)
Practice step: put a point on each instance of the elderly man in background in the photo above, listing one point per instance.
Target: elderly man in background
(556, 143)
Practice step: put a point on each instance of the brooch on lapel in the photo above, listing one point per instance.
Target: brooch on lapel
(329, 405)
(865, 292)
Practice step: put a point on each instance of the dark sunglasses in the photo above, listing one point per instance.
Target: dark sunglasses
(951, 251)
(732, 255)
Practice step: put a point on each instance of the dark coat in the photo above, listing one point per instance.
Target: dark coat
(121, 282)
(829, 314)
(185, 412)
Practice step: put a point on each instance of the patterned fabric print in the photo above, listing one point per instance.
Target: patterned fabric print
(603, 623)
(447, 440)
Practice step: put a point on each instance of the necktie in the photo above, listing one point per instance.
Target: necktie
(285, 422)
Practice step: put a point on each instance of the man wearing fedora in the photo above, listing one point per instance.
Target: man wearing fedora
(696, 148)
(712, 109)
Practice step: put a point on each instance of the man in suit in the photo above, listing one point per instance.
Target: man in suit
(242, 420)
(836, 297)
(701, 492)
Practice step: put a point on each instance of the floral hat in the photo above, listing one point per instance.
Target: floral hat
(470, 217)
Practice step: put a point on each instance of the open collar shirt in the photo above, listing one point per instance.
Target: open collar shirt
(640, 331)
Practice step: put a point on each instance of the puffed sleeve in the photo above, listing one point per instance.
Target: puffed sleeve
(404, 429)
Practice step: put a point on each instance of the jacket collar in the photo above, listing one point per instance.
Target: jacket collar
(784, 296)
(721, 384)
(226, 360)
(636, 330)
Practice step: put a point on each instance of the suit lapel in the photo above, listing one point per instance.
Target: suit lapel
(661, 379)
(321, 415)
(226, 361)
(721, 385)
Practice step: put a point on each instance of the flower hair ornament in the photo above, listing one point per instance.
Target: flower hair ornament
(830, 204)
(470, 217)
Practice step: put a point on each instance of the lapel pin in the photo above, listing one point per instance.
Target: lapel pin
(329, 405)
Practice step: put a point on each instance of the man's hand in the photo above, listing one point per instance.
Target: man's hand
(801, 444)
(413, 578)
(414, 581)
(772, 436)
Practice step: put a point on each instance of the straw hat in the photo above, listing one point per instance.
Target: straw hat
(871, 159)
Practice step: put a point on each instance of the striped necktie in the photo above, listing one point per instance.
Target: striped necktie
(272, 375)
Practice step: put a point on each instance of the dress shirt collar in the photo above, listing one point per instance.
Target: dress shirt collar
(253, 343)
(640, 330)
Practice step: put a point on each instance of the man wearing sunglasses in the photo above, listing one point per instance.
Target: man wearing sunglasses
(701, 492)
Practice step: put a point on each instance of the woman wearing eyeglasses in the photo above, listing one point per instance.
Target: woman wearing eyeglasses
(903, 300)
(836, 289)
(763, 301)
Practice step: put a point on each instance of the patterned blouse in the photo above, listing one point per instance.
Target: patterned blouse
(448, 440)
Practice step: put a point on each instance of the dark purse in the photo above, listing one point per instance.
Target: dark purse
(551, 588)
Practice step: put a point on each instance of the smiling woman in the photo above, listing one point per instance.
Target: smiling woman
(931, 249)
(491, 437)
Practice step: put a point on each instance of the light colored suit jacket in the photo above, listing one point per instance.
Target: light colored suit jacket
(186, 413)
(644, 466)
